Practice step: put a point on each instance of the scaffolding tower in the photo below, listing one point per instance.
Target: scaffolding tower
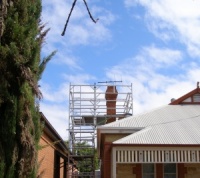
(89, 107)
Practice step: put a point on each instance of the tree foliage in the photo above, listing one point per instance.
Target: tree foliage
(20, 70)
(90, 161)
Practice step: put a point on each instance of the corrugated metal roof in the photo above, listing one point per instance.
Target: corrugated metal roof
(178, 132)
(168, 113)
(171, 124)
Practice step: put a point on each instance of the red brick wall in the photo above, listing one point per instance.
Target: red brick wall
(106, 161)
(111, 96)
(63, 168)
(159, 170)
(138, 171)
(181, 170)
(46, 159)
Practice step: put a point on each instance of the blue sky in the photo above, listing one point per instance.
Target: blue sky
(153, 44)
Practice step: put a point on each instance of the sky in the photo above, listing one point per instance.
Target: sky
(153, 45)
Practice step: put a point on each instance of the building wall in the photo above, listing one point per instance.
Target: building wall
(113, 137)
(135, 170)
(106, 161)
(106, 155)
(46, 159)
(62, 167)
(125, 171)
(193, 170)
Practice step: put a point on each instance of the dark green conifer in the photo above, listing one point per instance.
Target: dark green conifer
(20, 70)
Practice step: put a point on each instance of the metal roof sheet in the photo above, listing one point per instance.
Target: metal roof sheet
(168, 113)
(171, 124)
(178, 132)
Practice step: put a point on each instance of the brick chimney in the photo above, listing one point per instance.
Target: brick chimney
(111, 96)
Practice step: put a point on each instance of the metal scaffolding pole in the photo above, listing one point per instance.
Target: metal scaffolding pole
(90, 106)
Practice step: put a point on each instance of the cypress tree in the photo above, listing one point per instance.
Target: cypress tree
(20, 70)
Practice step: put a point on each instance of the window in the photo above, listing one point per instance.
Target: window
(169, 170)
(148, 171)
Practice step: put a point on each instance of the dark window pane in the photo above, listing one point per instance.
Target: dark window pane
(148, 176)
(169, 168)
(148, 168)
(170, 176)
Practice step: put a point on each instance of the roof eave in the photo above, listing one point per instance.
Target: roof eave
(154, 145)
(114, 130)
(118, 129)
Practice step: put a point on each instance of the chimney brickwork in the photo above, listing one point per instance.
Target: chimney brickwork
(111, 97)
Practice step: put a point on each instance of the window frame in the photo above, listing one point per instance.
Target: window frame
(170, 173)
(151, 173)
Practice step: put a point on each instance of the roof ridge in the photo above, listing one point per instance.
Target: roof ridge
(118, 122)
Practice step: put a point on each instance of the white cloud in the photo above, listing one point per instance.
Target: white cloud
(80, 29)
(59, 95)
(57, 115)
(174, 19)
(162, 56)
(152, 87)
(54, 106)
(66, 58)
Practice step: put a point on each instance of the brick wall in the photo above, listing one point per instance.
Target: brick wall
(193, 171)
(125, 171)
(106, 156)
(112, 137)
(106, 161)
(46, 159)
(135, 170)
(111, 96)
(53, 155)
(62, 167)
(183, 170)
(159, 170)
